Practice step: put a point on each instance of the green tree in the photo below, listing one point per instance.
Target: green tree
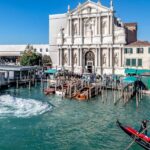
(46, 60)
(30, 58)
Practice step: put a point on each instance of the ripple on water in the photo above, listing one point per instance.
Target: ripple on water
(18, 107)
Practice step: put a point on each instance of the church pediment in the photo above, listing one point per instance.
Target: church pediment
(89, 7)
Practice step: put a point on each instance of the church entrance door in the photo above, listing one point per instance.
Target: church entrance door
(89, 61)
(90, 66)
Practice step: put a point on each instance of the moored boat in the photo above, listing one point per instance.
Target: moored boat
(60, 93)
(82, 95)
(139, 138)
(49, 91)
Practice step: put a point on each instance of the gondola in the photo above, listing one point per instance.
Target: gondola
(139, 138)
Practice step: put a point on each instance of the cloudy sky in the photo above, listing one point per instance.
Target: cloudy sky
(26, 21)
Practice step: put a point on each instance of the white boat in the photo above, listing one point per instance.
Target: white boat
(61, 93)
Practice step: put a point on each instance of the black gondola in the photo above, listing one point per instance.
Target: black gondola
(139, 138)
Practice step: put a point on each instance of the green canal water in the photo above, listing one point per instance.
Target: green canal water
(29, 120)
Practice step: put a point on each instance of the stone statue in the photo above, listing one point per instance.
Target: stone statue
(116, 61)
(75, 58)
(65, 58)
(104, 59)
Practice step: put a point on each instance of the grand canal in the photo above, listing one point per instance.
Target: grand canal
(30, 120)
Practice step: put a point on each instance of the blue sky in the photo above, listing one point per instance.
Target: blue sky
(26, 21)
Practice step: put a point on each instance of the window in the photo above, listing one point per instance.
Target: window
(139, 50)
(127, 62)
(40, 49)
(149, 50)
(128, 50)
(46, 49)
(140, 63)
(125, 50)
(133, 62)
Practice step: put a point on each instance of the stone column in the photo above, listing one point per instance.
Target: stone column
(121, 57)
(71, 27)
(111, 24)
(108, 17)
(68, 27)
(78, 61)
(100, 24)
(100, 60)
(78, 25)
(81, 59)
(109, 54)
(111, 57)
(96, 26)
(61, 57)
(81, 30)
(96, 58)
(68, 57)
(100, 28)
(71, 62)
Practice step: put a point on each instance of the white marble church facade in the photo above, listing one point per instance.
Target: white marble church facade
(88, 39)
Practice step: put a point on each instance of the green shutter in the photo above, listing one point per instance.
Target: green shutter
(133, 62)
(149, 50)
(125, 50)
(140, 63)
(127, 62)
(131, 50)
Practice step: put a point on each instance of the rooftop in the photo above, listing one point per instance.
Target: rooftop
(130, 24)
(139, 43)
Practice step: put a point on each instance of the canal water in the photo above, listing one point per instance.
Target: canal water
(29, 120)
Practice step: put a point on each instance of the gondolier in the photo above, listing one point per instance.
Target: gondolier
(139, 138)
(144, 126)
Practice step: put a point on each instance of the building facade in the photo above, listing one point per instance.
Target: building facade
(88, 39)
(137, 55)
(10, 54)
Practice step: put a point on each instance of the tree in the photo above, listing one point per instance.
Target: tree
(30, 58)
(46, 60)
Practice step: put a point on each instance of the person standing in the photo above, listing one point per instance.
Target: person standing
(144, 127)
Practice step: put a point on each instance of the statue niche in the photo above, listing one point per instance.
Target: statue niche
(116, 60)
(75, 59)
(89, 27)
(104, 59)
(104, 27)
(65, 59)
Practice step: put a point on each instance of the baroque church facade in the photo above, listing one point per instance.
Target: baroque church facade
(89, 38)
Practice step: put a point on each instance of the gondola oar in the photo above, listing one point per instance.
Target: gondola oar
(135, 138)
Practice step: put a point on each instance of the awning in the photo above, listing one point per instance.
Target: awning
(142, 71)
(136, 71)
(130, 71)
(130, 79)
(51, 71)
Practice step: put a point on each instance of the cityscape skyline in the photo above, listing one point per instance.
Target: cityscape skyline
(25, 22)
